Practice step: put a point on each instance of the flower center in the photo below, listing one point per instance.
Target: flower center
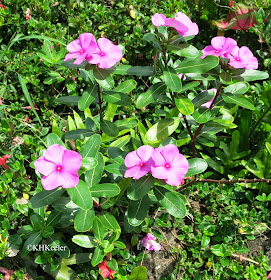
(167, 165)
(216, 51)
(142, 164)
(237, 58)
(82, 51)
(101, 54)
(59, 168)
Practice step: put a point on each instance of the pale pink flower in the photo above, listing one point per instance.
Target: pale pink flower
(181, 22)
(220, 46)
(243, 58)
(182, 76)
(81, 48)
(106, 55)
(139, 162)
(209, 103)
(7, 272)
(268, 276)
(169, 165)
(149, 243)
(27, 14)
(59, 167)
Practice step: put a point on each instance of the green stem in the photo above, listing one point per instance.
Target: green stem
(100, 106)
(259, 120)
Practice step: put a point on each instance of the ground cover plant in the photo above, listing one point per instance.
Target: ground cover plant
(135, 142)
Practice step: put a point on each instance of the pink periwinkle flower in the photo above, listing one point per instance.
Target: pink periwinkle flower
(81, 48)
(243, 58)
(59, 167)
(169, 165)
(182, 76)
(149, 243)
(106, 55)
(139, 162)
(27, 14)
(181, 22)
(209, 103)
(220, 46)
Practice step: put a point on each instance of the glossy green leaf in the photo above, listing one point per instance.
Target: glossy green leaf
(170, 201)
(55, 241)
(62, 273)
(172, 80)
(69, 100)
(109, 128)
(105, 190)
(117, 98)
(52, 139)
(98, 229)
(184, 50)
(197, 65)
(109, 221)
(102, 74)
(93, 176)
(138, 210)
(126, 123)
(85, 241)
(134, 70)
(268, 147)
(53, 218)
(77, 259)
(241, 101)
(88, 163)
(37, 221)
(121, 142)
(237, 88)
(91, 147)
(250, 75)
(184, 105)
(84, 220)
(116, 168)
(34, 239)
(139, 188)
(139, 273)
(98, 256)
(196, 166)
(47, 231)
(151, 95)
(203, 97)
(162, 130)
(85, 100)
(126, 86)
(44, 198)
(202, 115)
(81, 195)
(78, 134)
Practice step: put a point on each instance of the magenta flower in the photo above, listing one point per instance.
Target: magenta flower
(209, 103)
(81, 48)
(59, 167)
(106, 55)
(169, 165)
(220, 46)
(149, 243)
(139, 162)
(243, 58)
(182, 23)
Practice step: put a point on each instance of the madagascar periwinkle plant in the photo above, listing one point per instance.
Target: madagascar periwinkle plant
(111, 158)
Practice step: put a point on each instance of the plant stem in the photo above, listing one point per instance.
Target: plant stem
(100, 106)
(227, 182)
(259, 120)
(191, 136)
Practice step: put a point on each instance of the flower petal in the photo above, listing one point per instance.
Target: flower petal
(45, 167)
(52, 181)
(145, 152)
(218, 42)
(136, 172)
(87, 41)
(132, 159)
(70, 56)
(74, 46)
(160, 172)
(54, 153)
(158, 19)
(68, 179)
(169, 152)
(71, 161)
(157, 157)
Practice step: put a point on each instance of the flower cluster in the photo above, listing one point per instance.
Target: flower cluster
(59, 167)
(149, 243)
(106, 271)
(227, 48)
(163, 163)
(103, 52)
(4, 160)
(181, 22)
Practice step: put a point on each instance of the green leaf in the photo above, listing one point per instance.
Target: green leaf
(85, 241)
(139, 273)
(202, 115)
(237, 88)
(77, 258)
(126, 86)
(47, 231)
(172, 80)
(37, 221)
(84, 220)
(162, 130)
(241, 101)
(203, 97)
(78, 121)
(109, 221)
(53, 218)
(62, 273)
(78, 134)
(140, 188)
(189, 86)
(171, 201)
(91, 147)
(52, 139)
(185, 50)
(98, 229)
(93, 177)
(105, 190)
(126, 123)
(81, 195)
(102, 74)
(34, 239)
(55, 241)
(268, 147)
(250, 75)
(121, 142)
(117, 98)
(134, 70)
(98, 256)
(151, 95)
(44, 198)
(116, 168)
(85, 101)
(88, 163)
(138, 210)
(28, 97)
(196, 166)
(197, 65)
(69, 100)
(184, 105)
(113, 265)
(120, 245)
(219, 250)
(109, 128)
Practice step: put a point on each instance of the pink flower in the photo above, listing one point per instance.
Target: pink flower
(139, 162)
(4, 160)
(1, 103)
(7, 272)
(59, 167)
(149, 243)
(209, 103)
(81, 48)
(26, 119)
(243, 58)
(169, 165)
(182, 76)
(29, 107)
(106, 271)
(220, 46)
(106, 55)
(27, 14)
(268, 276)
(181, 22)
